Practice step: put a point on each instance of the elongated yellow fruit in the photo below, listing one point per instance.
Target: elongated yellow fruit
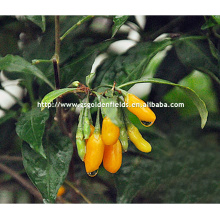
(137, 139)
(112, 158)
(110, 132)
(139, 108)
(94, 153)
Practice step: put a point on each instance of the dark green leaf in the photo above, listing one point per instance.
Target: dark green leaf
(211, 22)
(53, 95)
(38, 20)
(30, 128)
(81, 67)
(48, 174)
(131, 178)
(17, 64)
(129, 66)
(173, 72)
(196, 54)
(194, 97)
(89, 79)
(118, 22)
(217, 18)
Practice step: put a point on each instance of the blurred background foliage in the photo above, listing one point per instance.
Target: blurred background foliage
(184, 164)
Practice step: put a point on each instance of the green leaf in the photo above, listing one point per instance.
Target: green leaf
(196, 54)
(89, 79)
(194, 97)
(38, 20)
(30, 128)
(81, 67)
(217, 18)
(211, 22)
(118, 22)
(173, 72)
(17, 64)
(53, 95)
(131, 178)
(49, 174)
(109, 109)
(129, 66)
(202, 85)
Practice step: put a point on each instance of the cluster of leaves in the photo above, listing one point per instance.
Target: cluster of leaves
(180, 161)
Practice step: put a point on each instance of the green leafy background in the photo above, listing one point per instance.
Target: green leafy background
(183, 166)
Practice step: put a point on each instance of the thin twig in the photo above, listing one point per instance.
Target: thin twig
(77, 191)
(55, 59)
(76, 25)
(30, 188)
(57, 36)
(35, 62)
(10, 158)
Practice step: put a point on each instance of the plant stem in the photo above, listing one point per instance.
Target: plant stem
(56, 73)
(10, 158)
(57, 36)
(55, 59)
(77, 191)
(21, 180)
(34, 62)
(76, 25)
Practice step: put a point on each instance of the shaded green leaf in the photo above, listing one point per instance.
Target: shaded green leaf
(211, 22)
(81, 67)
(196, 54)
(173, 72)
(89, 79)
(194, 97)
(217, 18)
(17, 64)
(30, 128)
(48, 174)
(129, 66)
(118, 22)
(131, 178)
(53, 95)
(38, 20)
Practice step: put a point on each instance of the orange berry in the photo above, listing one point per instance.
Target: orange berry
(94, 153)
(112, 158)
(137, 139)
(110, 132)
(139, 108)
(61, 191)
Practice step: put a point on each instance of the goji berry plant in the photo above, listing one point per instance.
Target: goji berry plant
(121, 141)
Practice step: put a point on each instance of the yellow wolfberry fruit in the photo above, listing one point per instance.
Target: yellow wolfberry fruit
(137, 139)
(112, 158)
(110, 132)
(61, 191)
(140, 109)
(94, 153)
